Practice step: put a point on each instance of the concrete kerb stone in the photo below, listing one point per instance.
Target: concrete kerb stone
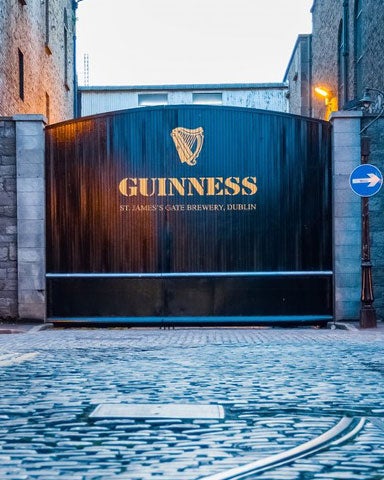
(10, 331)
(354, 327)
(33, 328)
(343, 326)
(13, 328)
(40, 328)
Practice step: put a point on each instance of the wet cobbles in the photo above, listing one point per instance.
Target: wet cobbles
(279, 388)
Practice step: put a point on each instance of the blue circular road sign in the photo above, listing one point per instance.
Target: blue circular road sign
(366, 180)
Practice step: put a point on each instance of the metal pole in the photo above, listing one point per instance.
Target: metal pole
(367, 310)
(75, 4)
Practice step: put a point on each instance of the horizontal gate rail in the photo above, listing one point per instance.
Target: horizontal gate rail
(188, 274)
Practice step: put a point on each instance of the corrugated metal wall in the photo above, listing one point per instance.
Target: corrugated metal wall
(100, 100)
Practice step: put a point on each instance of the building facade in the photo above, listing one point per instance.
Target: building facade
(298, 77)
(266, 96)
(346, 60)
(37, 86)
(343, 55)
(37, 58)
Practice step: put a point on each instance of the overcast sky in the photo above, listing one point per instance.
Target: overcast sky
(154, 42)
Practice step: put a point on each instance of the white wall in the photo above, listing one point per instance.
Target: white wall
(107, 99)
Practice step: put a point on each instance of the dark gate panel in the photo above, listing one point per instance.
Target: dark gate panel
(134, 232)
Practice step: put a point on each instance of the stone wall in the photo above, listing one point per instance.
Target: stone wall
(47, 89)
(8, 220)
(326, 18)
(346, 155)
(30, 186)
(376, 213)
(373, 44)
(22, 218)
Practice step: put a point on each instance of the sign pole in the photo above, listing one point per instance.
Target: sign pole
(367, 310)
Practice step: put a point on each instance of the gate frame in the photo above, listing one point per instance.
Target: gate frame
(31, 216)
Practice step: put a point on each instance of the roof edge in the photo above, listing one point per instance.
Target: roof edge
(208, 86)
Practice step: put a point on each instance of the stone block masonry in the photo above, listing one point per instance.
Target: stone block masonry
(8, 220)
(376, 208)
(30, 216)
(22, 218)
(346, 215)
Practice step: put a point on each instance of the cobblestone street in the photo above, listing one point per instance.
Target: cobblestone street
(279, 388)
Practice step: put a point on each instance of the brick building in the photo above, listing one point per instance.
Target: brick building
(37, 85)
(37, 58)
(346, 57)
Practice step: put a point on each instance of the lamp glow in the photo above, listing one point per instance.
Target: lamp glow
(324, 93)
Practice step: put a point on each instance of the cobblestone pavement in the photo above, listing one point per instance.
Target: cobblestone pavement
(279, 387)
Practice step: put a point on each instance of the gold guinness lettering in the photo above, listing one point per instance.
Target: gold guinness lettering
(187, 186)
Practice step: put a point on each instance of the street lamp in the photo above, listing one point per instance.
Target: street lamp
(325, 93)
(329, 99)
(367, 311)
(366, 102)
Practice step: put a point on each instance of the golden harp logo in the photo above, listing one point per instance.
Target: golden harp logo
(188, 143)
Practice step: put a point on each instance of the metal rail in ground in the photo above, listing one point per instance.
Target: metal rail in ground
(346, 429)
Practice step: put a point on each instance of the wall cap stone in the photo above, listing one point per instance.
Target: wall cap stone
(30, 118)
(346, 114)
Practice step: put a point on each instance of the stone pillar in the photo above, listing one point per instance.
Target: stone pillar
(30, 160)
(346, 155)
(8, 227)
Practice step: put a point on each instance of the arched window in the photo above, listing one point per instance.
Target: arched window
(358, 44)
(340, 65)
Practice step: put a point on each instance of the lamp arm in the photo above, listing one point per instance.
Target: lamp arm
(373, 121)
(375, 90)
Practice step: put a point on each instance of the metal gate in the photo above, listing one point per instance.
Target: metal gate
(189, 214)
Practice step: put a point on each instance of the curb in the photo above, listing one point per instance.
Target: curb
(342, 326)
(346, 326)
(40, 328)
(8, 329)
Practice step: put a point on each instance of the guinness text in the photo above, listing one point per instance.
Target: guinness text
(188, 186)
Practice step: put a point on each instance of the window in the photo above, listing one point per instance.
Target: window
(340, 64)
(66, 49)
(22, 2)
(47, 48)
(21, 74)
(151, 99)
(208, 98)
(47, 106)
(358, 44)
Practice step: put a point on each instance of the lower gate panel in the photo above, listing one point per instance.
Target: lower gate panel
(252, 300)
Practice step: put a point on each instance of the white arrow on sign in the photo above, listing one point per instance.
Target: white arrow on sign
(372, 180)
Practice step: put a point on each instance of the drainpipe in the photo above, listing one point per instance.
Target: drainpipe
(310, 109)
(345, 49)
(75, 93)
